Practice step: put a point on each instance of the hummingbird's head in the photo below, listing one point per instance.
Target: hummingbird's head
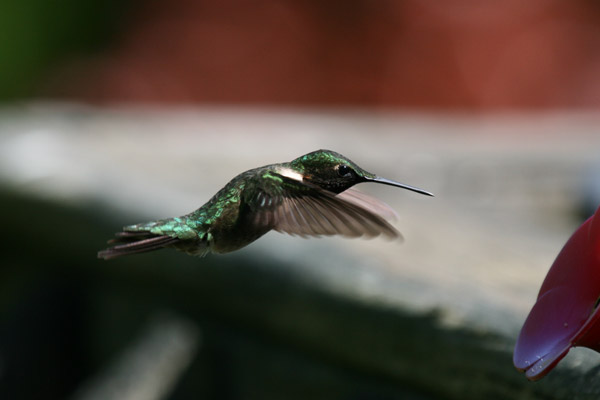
(336, 173)
(330, 170)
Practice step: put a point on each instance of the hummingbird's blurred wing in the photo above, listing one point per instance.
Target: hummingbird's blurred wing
(299, 208)
(369, 202)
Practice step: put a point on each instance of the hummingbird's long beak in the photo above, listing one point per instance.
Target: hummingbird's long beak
(377, 179)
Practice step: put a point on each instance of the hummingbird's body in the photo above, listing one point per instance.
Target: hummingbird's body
(306, 197)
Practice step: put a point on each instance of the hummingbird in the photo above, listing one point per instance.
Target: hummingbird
(309, 196)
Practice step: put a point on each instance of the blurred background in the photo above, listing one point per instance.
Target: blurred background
(112, 113)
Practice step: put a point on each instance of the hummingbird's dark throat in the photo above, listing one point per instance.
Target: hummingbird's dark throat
(334, 185)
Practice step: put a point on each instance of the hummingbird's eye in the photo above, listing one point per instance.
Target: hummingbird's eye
(344, 171)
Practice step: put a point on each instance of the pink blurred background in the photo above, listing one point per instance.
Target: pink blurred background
(421, 54)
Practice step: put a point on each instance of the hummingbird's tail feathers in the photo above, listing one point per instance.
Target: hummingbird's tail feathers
(135, 242)
(128, 237)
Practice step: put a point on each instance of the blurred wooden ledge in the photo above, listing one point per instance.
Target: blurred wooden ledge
(435, 317)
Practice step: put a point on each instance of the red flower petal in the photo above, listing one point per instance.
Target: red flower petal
(566, 313)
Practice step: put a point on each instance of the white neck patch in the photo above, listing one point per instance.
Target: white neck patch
(290, 173)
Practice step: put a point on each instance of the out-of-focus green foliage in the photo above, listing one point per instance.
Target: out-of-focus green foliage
(36, 34)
